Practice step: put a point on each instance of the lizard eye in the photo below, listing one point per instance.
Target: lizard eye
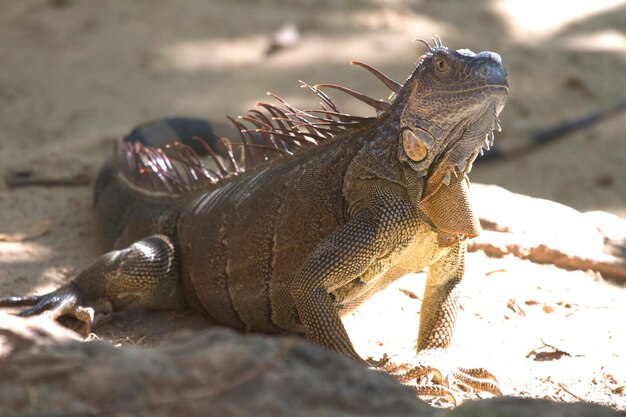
(441, 65)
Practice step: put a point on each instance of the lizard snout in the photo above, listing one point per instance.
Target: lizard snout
(491, 69)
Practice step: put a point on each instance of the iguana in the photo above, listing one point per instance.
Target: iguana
(328, 210)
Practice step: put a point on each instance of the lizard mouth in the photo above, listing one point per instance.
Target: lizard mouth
(488, 88)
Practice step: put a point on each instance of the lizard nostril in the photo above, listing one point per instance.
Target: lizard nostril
(493, 73)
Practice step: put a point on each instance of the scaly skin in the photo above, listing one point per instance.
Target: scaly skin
(293, 245)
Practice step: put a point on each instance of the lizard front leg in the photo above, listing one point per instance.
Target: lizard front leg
(336, 262)
(437, 322)
(145, 272)
(344, 257)
(441, 300)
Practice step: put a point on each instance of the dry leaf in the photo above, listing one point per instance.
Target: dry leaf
(513, 306)
(410, 294)
(547, 353)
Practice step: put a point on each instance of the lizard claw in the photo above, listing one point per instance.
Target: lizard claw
(478, 379)
(429, 381)
(437, 391)
(64, 301)
(422, 374)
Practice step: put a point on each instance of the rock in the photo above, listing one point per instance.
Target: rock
(547, 232)
(45, 371)
(527, 407)
(215, 372)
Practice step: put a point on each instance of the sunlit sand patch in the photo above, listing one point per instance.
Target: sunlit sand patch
(20, 252)
(197, 55)
(399, 20)
(608, 40)
(207, 55)
(531, 21)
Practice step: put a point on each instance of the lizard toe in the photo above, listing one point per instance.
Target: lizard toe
(477, 379)
(433, 377)
(54, 304)
(428, 383)
(436, 391)
(65, 301)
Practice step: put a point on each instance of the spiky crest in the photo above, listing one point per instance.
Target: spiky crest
(274, 131)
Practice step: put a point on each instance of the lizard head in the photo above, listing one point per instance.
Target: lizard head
(450, 109)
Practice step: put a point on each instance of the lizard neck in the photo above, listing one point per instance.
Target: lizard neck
(377, 162)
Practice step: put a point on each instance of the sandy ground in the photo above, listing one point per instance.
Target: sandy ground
(74, 74)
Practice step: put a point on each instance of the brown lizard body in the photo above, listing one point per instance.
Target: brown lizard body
(296, 241)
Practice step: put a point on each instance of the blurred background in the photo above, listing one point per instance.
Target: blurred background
(75, 73)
